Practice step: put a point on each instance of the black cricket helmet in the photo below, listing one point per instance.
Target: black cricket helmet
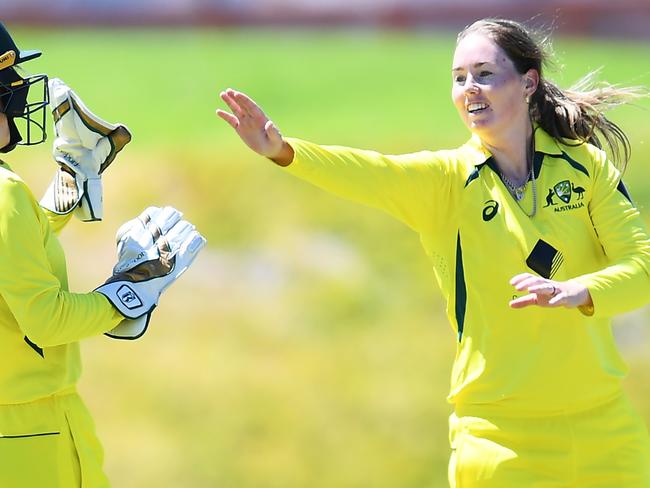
(24, 108)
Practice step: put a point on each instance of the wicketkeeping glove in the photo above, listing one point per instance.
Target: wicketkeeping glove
(84, 147)
(153, 251)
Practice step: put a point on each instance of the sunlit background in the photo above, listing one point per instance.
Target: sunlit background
(308, 346)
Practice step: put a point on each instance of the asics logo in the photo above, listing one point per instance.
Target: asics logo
(490, 210)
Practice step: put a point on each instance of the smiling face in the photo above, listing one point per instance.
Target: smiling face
(488, 92)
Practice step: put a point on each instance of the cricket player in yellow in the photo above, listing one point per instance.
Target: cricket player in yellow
(47, 437)
(535, 245)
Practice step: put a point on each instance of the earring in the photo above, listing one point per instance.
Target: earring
(528, 99)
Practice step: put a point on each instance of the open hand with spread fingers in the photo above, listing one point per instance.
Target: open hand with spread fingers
(548, 293)
(254, 128)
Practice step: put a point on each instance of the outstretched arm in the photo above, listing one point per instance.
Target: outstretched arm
(414, 188)
(254, 128)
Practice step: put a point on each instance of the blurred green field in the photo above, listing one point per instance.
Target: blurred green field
(308, 347)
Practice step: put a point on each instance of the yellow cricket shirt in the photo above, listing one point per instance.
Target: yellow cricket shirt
(40, 320)
(529, 361)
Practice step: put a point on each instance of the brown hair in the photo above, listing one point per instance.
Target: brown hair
(575, 113)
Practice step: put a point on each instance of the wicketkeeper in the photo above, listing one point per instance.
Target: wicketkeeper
(47, 437)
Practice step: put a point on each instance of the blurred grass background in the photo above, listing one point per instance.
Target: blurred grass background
(308, 346)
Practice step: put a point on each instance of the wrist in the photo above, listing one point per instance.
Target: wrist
(587, 309)
(285, 156)
(586, 303)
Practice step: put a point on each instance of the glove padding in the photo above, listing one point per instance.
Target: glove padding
(136, 239)
(153, 251)
(84, 147)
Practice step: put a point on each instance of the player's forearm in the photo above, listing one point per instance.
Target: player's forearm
(54, 318)
(617, 289)
(57, 221)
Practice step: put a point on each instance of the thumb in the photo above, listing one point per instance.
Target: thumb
(100, 153)
(272, 132)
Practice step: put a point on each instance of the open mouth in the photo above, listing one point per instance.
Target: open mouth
(475, 108)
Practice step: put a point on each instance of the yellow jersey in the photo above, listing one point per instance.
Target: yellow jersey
(40, 320)
(532, 361)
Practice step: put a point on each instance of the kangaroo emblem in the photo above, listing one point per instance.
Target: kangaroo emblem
(549, 198)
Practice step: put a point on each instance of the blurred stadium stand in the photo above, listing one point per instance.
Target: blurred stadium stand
(628, 18)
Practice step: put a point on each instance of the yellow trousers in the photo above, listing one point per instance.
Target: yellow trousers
(606, 447)
(50, 443)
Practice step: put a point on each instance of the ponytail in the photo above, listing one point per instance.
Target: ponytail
(577, 113)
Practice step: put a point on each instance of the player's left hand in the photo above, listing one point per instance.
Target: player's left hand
(548, 293)
(84, 147)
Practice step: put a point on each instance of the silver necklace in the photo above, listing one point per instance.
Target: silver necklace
(518, 192)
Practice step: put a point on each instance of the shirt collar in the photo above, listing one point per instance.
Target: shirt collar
(544, 143)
